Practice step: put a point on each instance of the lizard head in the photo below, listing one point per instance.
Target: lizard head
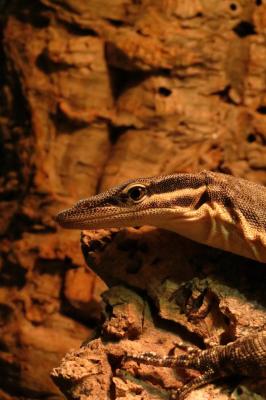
(144, 201)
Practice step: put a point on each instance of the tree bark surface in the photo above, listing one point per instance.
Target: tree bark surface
(93, 93)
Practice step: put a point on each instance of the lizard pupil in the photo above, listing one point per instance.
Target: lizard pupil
(136, 193)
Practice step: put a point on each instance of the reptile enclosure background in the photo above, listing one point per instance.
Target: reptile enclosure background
(94, 92)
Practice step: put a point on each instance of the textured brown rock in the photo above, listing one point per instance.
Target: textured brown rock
(93, 93)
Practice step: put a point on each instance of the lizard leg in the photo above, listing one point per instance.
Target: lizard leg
(181, 393)
(186, 347)
(189, 360)
(151, 358)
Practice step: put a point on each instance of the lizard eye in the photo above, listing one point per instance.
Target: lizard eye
(136, 193)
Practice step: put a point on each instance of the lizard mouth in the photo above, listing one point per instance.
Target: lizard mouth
(72, 220)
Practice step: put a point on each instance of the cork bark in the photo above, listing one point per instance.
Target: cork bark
(164, 290)
(93, 93)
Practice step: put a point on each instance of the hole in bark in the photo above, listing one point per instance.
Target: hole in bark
(48, 66)
(233, 6)
(251, 138)
(261, 109)
(258, 2)
(244, 28)
(224, 94)
(79, 30)
(164, 91)
(115, 22)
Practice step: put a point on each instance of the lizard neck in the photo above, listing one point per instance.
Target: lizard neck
(211, 208)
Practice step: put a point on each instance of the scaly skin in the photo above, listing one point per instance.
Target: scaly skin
(211, 208)
(245, 356)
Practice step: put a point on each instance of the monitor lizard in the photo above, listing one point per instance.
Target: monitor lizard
(212, 208)
(245, 356)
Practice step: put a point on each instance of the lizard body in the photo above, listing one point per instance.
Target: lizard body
(209, 207)
(245, 356)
